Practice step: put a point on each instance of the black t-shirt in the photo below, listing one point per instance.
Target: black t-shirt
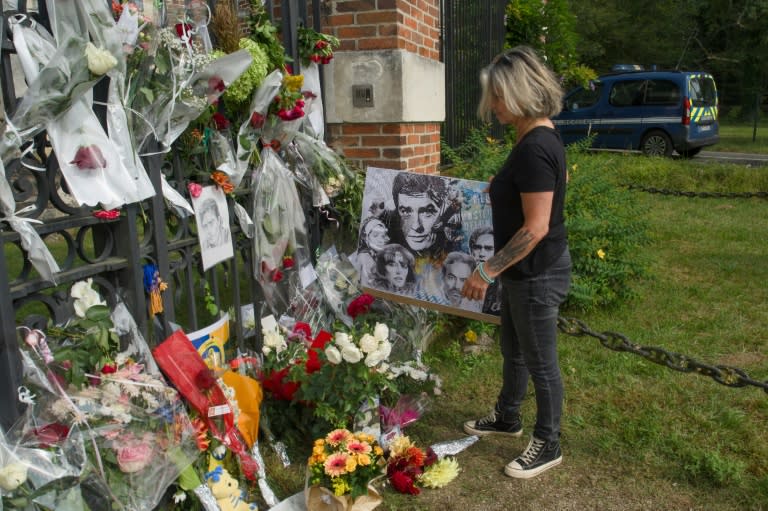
(536, 164)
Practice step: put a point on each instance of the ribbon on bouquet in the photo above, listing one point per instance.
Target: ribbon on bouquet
(185, 367)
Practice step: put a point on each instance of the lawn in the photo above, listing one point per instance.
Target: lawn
(742, 138)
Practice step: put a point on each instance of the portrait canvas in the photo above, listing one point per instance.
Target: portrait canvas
(212, 217)
(421, 237)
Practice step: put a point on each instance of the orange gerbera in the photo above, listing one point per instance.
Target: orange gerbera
(338, 436)
(336, 465)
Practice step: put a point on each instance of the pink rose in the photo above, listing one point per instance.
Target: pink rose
(89, 157)
(110, 214)
(133, 456)
(194, 190)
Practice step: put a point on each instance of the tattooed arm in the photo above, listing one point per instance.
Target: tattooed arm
(537, 208)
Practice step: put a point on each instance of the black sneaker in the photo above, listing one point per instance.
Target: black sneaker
(539, 456)
(493, 423)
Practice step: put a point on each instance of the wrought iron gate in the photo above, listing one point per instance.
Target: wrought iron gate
(473, 33)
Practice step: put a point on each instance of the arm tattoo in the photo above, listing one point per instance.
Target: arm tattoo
(515, 249)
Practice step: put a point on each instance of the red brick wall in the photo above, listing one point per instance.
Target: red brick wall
(409, 25)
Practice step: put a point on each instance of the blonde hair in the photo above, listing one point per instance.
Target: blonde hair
(526, 85)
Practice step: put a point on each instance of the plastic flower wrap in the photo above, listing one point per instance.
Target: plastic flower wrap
(135, 431)
(328, 167)
(345, 464)
(338, 279)
(250, 131)
(237, 95)
(280, 244)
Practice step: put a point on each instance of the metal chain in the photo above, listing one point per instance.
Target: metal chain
(723, 374)
(703, 195)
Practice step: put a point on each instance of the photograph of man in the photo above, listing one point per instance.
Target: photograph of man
(481, 249)
(213, 231)
(422, 214)
(395, 270)
(457, 267)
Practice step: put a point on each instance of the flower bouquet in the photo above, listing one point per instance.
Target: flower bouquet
(341, 470)
(135, 432)
(409, 467)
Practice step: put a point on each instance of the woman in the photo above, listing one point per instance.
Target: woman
(531, 256)
(395, 270)
(373, 237)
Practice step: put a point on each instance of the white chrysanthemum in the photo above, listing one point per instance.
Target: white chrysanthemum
(275, 341)
(369, 343)
(351, 354)
(381, 332)
(333, 355)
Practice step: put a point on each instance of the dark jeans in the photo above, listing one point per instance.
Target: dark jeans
(529, 345)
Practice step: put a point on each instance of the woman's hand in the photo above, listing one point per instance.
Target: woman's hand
(474, 287)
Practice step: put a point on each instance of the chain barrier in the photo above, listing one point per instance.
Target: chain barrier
(723, 374)
(702, 195)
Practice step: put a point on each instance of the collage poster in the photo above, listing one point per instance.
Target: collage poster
(420, 238)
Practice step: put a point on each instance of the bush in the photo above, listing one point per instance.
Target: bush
(605, 222)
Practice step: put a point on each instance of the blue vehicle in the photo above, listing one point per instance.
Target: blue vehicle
(655, 112)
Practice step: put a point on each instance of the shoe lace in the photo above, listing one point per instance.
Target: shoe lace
(488, 419)
(532, 451)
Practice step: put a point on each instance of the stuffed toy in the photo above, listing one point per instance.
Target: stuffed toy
(226, 490)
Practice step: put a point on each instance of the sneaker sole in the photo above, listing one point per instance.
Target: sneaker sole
(470, 430)
(527, 474)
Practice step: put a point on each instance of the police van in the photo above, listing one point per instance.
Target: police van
(655, 112)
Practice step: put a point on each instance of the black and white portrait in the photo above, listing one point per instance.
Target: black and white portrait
(420, 238)
(213, 226)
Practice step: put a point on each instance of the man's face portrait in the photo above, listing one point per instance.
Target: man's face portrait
(482, 248)
(455, 274)
(418, 213)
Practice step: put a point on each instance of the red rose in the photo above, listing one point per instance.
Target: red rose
(288, 262)
(107, 215)
(322, 339)
(109, 369)
(220, 121)
(51, 434)
(216, 84)
(183, 29)
(205, 380)
(360, 305)
(89, 157)
(257, 120)
(313, 363)
(303, 329)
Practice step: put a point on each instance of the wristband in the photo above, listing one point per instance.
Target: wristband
(483, 275)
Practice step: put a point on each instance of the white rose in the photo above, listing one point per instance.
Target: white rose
(381, 332)
(99, 60)
(12, 476)
(374, 358)
(368, 343)
(342, 339)
(385, 348)
(333, 355)
(274, 340)
(86, 297)
(266, 349)
(79, 288)
(351, 354)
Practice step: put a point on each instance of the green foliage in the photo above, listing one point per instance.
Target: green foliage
(605, 227)
(238, 95)
(264, 32)
(347, 205)
(478, 158)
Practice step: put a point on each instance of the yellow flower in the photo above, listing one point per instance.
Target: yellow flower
(351, 464)
(378, 451)
(600, 253)
(293, 82)
(440, 473)
(340, 486)
(363, 460)
(399, 445)
(470, 336)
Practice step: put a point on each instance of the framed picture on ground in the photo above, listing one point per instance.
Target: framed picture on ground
(421, 237)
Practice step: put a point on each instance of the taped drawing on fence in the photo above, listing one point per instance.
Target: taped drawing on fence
(213, 230)
(420, 238)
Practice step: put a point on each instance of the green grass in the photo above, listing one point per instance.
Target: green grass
(742, 138)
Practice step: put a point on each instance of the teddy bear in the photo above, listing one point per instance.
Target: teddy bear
(226, 490)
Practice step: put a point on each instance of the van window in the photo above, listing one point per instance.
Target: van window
(662, 92)
(584, 97)
(703, 91)
(627, 93)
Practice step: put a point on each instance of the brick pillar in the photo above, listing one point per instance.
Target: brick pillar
(393, 46)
